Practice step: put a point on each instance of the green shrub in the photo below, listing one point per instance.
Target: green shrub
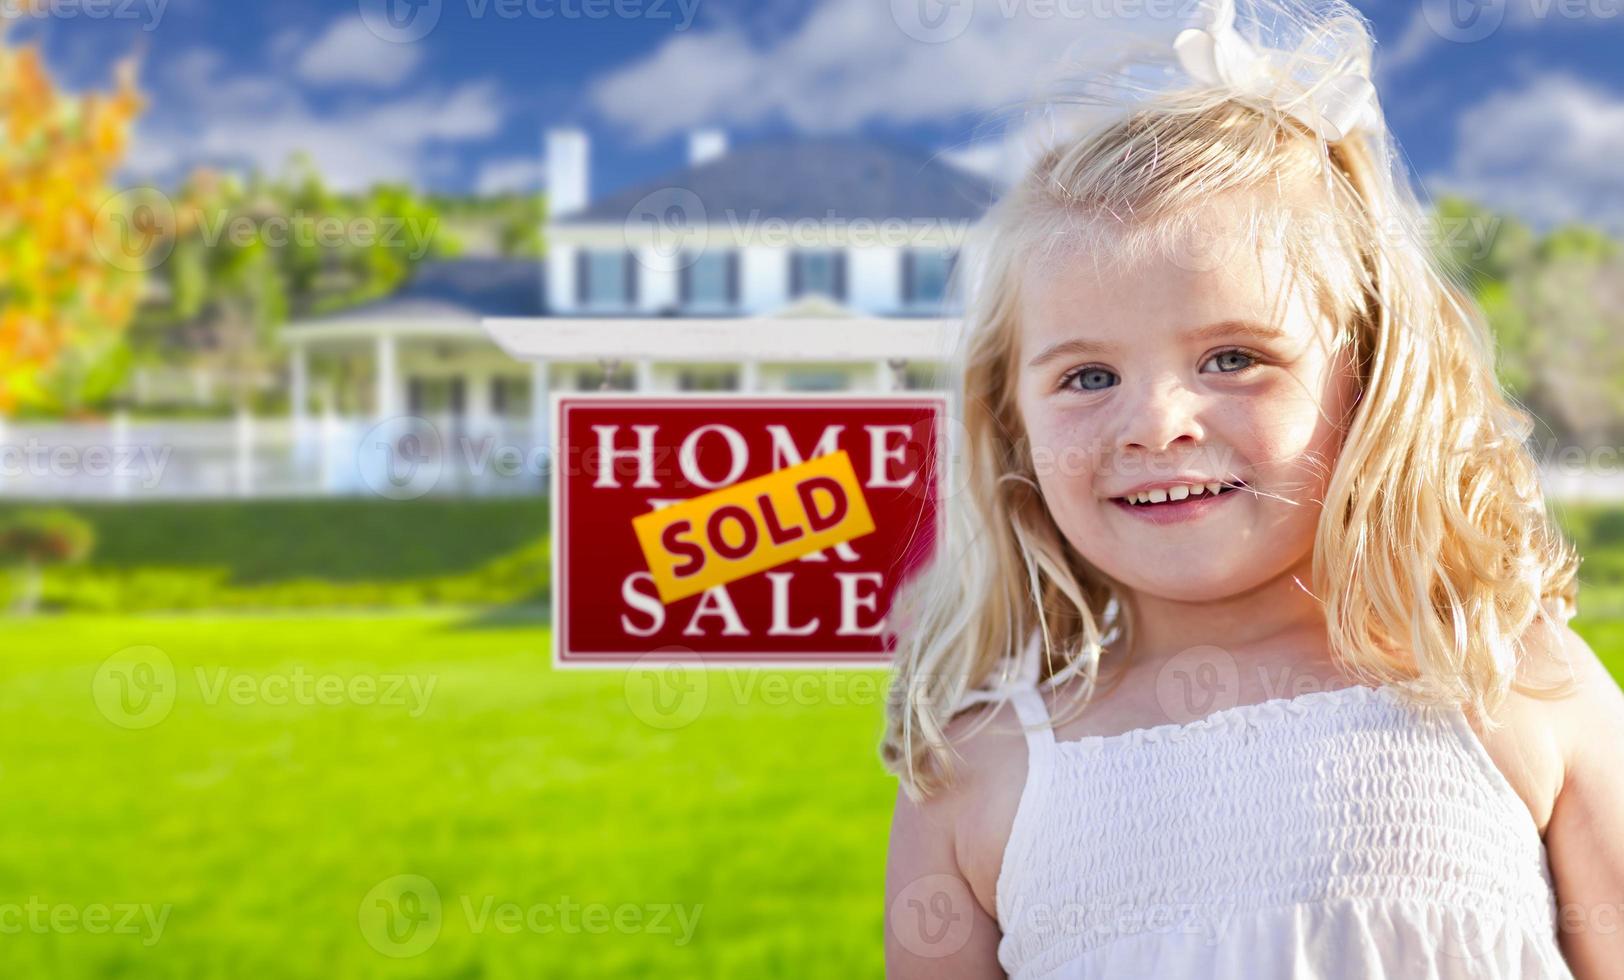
(306, 554)
(32, 540)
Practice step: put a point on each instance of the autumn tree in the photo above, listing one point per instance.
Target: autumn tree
(68, 285)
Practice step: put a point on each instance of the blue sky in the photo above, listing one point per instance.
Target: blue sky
(1529, 117)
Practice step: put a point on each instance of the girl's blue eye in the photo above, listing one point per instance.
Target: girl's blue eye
(1093, 379)
(1248, 359)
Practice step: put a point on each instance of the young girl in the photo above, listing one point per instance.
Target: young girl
(1246, 652)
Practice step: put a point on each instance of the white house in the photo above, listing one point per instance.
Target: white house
(799, 264)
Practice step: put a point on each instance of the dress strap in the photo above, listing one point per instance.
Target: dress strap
(1034, 716)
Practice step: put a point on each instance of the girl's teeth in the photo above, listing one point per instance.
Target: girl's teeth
(1165, 494)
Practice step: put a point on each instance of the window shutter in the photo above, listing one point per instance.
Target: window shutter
(685, 282)
(733, 278)
(948, 282)
(631, 279)
(794, 275)
(907, 277)
(458, 405)
(582, 284)
(839, 264)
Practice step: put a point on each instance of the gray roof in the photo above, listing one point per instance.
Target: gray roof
(459, 288)
(810, 177)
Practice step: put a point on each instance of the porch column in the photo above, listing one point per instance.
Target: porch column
(478, 406)
(750, 375)
(384, 401)
(885, 377)
(645, 374)
(540, 404)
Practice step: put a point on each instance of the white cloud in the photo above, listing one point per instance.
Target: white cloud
(848, 63)
(511, 175)
(986, 158)
(285, 45)
(1547, 152)
(202, 114)
(1412, 45)
(348, 52)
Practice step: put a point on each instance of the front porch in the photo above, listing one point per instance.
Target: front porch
(402, 406)
(500, 376)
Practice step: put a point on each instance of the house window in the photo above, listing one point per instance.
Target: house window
(710, 280)
(923, 377)
(925, 274)
(434, 396)
(606, 278)
(815, 381)
(818, 272)
(592, 378)
(707, 379)
(510, 397)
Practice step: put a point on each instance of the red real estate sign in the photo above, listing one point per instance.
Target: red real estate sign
(777, 528)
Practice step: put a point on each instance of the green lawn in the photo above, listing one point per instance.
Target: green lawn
(257, 828)
(261, 826)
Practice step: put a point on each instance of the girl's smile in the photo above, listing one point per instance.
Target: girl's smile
(1178, 500)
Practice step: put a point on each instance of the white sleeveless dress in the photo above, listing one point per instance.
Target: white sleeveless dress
(1340, 833)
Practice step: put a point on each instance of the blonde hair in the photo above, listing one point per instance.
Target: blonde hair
(1434, 550)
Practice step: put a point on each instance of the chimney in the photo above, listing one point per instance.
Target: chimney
(705, 145)
(569, 171)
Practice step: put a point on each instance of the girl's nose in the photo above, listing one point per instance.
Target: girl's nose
(1162, 417)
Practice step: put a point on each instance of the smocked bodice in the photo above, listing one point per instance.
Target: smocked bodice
(1342, 833)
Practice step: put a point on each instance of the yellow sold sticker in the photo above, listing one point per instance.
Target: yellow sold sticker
(751, 526)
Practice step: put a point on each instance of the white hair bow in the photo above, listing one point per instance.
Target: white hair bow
(1218, 55)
